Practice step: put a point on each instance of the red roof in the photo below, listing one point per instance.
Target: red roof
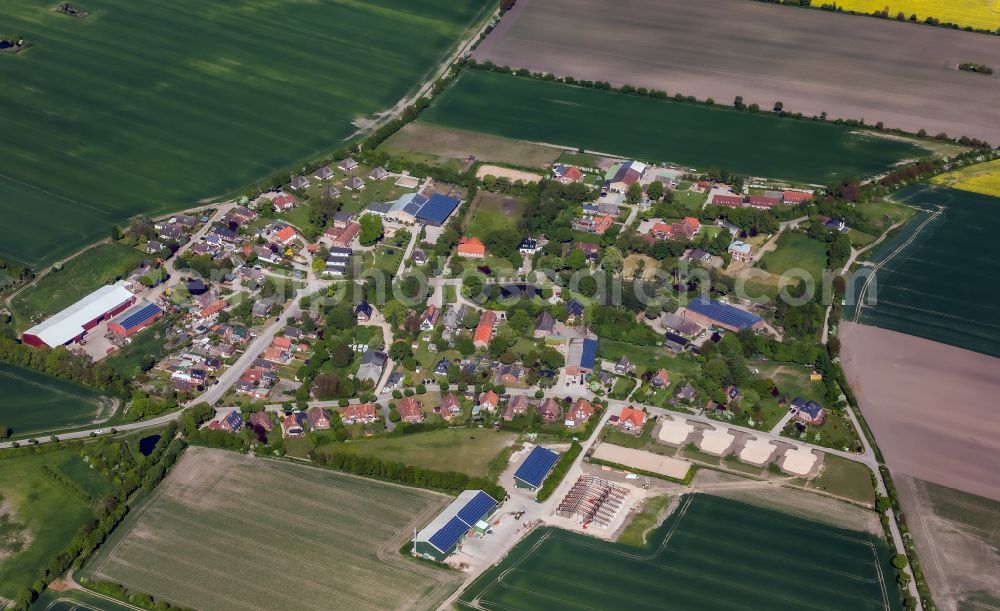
(347, 234)
(213, 308)
(409, 409)
(603, 223)
(364, 411)
(283, 201)
(581, 409)
(573, 174)
(282, 342)
(471, 247)
(489, 398)
(636, 417)
(484, 331)
(727, 200)
(287, 234)
(796, 197)
(763, 200)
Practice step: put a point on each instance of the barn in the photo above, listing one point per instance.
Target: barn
(441, 537)
(71, 324)
(535, 467)
(711, 312)
(135, 319)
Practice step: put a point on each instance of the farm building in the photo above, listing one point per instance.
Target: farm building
(535, 467)
(72, 324)
(437, 210)
(442, 536)
(711, 312)
(136, 318)
(582, 356)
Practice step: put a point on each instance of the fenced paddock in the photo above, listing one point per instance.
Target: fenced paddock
(712, 553)
(226, 531)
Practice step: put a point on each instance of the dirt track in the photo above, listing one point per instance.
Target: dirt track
(813, 61)
(933, 408)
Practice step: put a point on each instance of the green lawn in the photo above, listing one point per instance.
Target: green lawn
(146, 345)
(845, 478)
(46, 515)
(647, 357)
(34, 403)
(644, 521)
(79, 277)
(657, 130)
(468, 451)
(691, 201)
(148, 107)
(492, 211)
(796, 251)
(623, 387)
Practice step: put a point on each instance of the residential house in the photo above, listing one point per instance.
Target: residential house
(590, 250)
(290, 426)
(347, 165)
(632, 420)
(687, 393)
(567, 174)
(808, 412)
(517, 406)
(442, 366)
(153, 247)
(233, 422)
(661, 379)
(471, 248)
(451, 406)
(680, 325)
(676, 343)
(324, 173)
(484, 331)
(286, 236)
(550, 410)
(579, 412)
(173, 233)
(796, 197)
(409, 410)
(429, 319)
(732, 392)
(363, 312)
(342, 219)
(319, 420)
(372, 364)
(624, 366)
(418, 256)
(330, 192)
(260, 422)
(299, 182)
(528, 246)
(379, 173)
(363, 412)
(740, 251)
(545, 324)
(489, 400)
(574, 311)
(508, 374)
(284, 202)
(696, 255)
(354, 184)
(620, 178)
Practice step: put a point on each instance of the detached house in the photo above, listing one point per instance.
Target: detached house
(489, 400)
(319, 420)
(324, 173)
(550, 410)
(409, 410)
(579, 412)
(299, 182)
(808, 412)
(517, 406)
(451, 406)
(471, 248)
(364, 412)
(632, 420)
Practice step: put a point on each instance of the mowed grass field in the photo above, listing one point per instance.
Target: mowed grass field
(979, 14)
(492, 211)
(79, 277)
(225, 531)
(983, 178)
(937, 280)
(659, 130)
(431, 144)
(154, 106)
(42, 514)
(797, 251)
(468, 451)
(34, 402)
(712, 553)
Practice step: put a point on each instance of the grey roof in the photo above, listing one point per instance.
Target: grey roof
(681, 325)
(545, 322)
(324, 173)
(331, 192)
(300, 182)
(381, 208)
(355, 183)
(347, 164)
(378, 173)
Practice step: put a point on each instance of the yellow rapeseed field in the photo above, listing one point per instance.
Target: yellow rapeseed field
(979, 14)
(981, 178)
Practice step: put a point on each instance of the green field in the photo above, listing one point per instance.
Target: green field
(492, 211)
(644, 521)
(657, 130)
(712, 553)
(153, 106)
(467, 451)
(77, 600)
(846, 478)
(796, 251)
(35, 403)
(79, 277)
(938, 281)
(46, 515)
(225, 531)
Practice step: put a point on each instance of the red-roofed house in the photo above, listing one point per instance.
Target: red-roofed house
(489, 400)
(471, 248)
(688, 227)
(661, 379)
(517, 406)
(282, 342)
(319, 420)
(484, 331)
(290, 426)
(632, 420)
(763, 201)
(283, 202)
(260, 420)
(662, 231)
(726, 200)
(364, 412)
(602, 223)
(451, 406)
(580, 411)
(796, 197)
(568, 174)
(213, 308)
(346, 235)
(409, 410)
(286, 235)
(275, 354)
(550, 410)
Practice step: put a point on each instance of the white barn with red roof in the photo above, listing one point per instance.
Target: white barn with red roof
(71, 324)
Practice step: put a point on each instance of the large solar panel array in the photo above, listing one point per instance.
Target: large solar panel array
(437, 209)
(589, 357)
(536, 466)
(475, 509)
(449, 534)
(723, 313)
(138, 316)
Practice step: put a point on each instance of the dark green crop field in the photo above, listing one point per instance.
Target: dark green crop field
(145, 107)
(33, 402)
(938, 278)
(657, 130)
(712, 553)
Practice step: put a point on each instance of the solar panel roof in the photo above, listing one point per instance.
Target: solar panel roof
(475, 509)
(438, 208)
(589, 357)
(723, 313)
(138, 315)
(448, 535)
(536, 466)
